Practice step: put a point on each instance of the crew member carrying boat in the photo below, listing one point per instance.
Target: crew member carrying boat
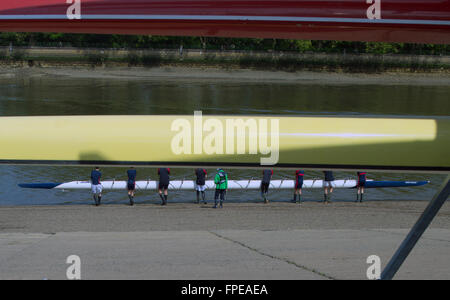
(299, 174)
(221, 181)
(163, 184)
(328, 185)
(360, 186)
(96, 186)
(131, 184)
(265, 182)
(200, 186)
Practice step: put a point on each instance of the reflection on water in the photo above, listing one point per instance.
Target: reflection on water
(68, 96)
(49, 95)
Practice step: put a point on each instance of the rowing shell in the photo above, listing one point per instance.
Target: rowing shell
(321, 143)
(232, 184)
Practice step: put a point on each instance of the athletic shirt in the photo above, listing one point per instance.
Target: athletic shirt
(328, 175)
(201, 174)
(131, 176)
(299, 175)
(222, 184)
(267, 175)
(362, 176)
(95, 177)
(164, 175)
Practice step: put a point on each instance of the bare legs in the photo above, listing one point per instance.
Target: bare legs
(360, 193)
(328, 189)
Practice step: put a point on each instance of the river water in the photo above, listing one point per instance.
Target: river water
(22, 95)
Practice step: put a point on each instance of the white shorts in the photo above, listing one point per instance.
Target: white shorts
(200, 188)
(328, 184)
(96, 188)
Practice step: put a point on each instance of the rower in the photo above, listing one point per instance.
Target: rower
(96, 186)
(265, 182)
(163, 184)
(221, 181)
(299, 174)
(131, 184)
(200, 186)
(328, 185)
(360, 185)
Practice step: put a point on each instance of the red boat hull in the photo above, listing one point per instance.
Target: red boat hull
(419, 21)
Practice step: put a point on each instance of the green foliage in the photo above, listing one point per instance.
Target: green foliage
(17, 39)
(383, 48)
(352, 64)
(301, 45)
(214, 43)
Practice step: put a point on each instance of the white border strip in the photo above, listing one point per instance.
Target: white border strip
(229, 18)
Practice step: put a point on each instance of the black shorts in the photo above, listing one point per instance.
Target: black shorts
(131, 186)
(361, 183)
(163, 186)
(299, 184)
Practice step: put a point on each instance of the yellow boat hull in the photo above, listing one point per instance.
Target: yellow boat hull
(307, 142)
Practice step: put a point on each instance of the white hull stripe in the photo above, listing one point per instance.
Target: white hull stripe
(229, 18)
(209, 184)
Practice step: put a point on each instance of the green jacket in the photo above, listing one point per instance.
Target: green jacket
(221, 180)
